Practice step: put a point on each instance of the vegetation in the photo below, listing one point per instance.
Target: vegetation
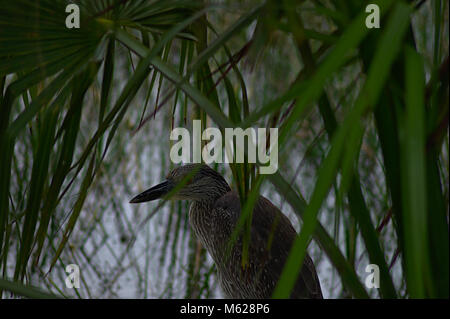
(85, 117)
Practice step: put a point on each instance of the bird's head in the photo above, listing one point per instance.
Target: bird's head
(197, 182)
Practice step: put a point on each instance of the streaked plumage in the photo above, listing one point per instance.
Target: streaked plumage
(213, 216)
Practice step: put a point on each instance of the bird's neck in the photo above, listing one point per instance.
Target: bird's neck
(200, 213)
(201, 221)
(201, 217)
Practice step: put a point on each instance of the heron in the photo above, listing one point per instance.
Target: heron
(213, 216)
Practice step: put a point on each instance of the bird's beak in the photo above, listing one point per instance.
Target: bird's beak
(153, 193)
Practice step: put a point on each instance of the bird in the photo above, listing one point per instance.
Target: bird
(213, 216)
